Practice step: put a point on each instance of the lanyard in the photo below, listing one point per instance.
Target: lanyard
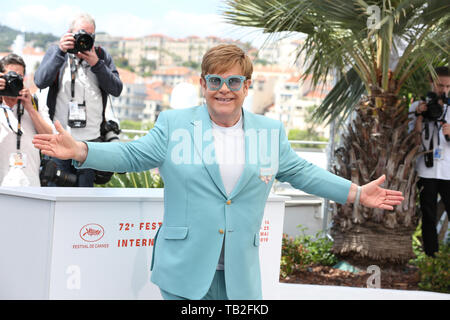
(73, 73)
(440, 127)
(19, 119)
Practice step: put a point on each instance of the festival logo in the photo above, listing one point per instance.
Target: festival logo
(92, 232)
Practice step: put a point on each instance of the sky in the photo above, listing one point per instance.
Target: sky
(128, 18)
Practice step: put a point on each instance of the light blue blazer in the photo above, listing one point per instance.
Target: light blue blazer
(198, 213)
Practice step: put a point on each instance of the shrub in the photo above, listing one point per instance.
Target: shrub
(305, 250)
(434, 271)
(145, 179)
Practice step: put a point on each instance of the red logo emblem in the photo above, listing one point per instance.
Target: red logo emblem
(92, 232)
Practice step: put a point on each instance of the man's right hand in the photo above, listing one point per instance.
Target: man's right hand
(2, 82)
(422, 107)
(62, 146)
(67, 42)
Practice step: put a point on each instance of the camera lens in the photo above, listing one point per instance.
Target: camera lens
(434, 111)
(14, 84)
(49, 173)
(64, 179)
(434, 108)
(84, 42)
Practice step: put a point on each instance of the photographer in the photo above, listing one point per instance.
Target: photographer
(20, 120)
(80, 77)
(431, 120)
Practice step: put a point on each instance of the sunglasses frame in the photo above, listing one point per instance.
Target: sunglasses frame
(226, 80)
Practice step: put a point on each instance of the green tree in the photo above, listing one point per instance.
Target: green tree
(146, 66)
(382, 49)
(8, 35)
(192, 64)
(123, 63)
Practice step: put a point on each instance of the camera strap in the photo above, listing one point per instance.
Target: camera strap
(73, 72)
(19, 120)
(73, 75)
(438, 126)
(431, 147)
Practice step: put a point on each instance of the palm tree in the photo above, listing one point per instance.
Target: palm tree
(380, 48)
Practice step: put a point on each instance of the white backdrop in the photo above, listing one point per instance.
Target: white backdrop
(78, 243)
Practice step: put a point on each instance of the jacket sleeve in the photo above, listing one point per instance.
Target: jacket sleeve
(107, 75)
(140, 155)
(49, 68)
(308, 177)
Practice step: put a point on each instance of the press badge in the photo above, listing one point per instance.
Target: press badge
(77, 115)
(438, 154)
(18, 160)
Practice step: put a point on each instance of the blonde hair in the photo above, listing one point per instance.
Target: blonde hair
(223, 57)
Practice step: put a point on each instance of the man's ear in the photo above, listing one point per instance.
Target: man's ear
(203, 85)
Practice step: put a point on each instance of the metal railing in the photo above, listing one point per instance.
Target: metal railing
(326, 208)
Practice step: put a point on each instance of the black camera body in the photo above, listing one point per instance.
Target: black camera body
(49, 172)
(434, 113)
(429, 159)
(14, 84)
(109, 130)
(83, 42)
(434, 109)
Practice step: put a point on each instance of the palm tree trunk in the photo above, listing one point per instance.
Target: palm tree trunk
(377, 142)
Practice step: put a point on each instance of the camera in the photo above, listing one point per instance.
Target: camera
(109, 130)
(14, 84)
(434, 109)
(49, 172)
(83, 42)
(428, 158)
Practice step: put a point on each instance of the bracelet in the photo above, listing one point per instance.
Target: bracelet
(358, 195)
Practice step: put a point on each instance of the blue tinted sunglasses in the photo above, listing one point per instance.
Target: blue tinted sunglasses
(215, 82)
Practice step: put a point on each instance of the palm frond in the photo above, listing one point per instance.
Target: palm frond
(415, 32)
(341, 100)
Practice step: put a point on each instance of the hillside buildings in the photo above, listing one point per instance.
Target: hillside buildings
(152, 66)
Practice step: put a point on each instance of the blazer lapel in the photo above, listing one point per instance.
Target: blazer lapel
(204, 146)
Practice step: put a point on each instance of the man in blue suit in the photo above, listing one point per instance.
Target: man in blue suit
(218, 163)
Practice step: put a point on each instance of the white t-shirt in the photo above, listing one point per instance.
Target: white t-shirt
(28, 176)
(86, 90)
(229, 145)
(441, 168)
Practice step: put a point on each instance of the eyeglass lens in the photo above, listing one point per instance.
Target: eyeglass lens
(234, 83)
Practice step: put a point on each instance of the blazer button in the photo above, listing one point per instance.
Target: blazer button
(221, 231)
(228, 202)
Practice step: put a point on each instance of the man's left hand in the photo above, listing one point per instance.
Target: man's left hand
(25, 97)
(373, 196)
(89, 56)
(446, 128)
